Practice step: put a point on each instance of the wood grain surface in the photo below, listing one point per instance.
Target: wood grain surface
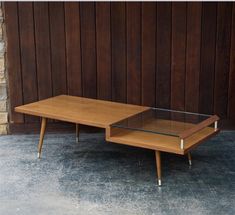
(93, 112)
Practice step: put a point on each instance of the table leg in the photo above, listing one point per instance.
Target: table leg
(42, 132)
(189, 159)
(158, 162)
(77, 133)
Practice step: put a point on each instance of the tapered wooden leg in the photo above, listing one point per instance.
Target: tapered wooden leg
(158, 163)
(189, 159)
(77, 133)
(42, 132)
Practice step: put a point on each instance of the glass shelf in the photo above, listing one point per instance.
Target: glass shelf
(162, 121)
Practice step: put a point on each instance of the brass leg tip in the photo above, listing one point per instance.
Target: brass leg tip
(190, 162)
(77, 139)
(159, 182)
(39, 155)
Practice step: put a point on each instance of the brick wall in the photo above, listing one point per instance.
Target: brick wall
(3, 80)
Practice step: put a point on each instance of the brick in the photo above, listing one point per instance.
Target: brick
(2, 64)
(2, 78)
(3, 129)
(1, 33)
(2, 49)
(3, 118)
(1, 13)
(3, 92)
(3, 106)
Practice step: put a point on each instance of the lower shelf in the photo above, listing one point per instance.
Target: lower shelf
(157, 141)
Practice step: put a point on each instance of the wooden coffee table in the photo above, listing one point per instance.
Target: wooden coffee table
(158, 129)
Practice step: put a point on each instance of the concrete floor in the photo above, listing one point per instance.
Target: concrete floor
(95, 177)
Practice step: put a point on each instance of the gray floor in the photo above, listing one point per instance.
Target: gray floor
(95, 177)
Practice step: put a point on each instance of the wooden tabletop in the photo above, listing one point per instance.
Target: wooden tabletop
(81, 110)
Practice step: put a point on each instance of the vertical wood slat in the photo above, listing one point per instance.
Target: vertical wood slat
(148, 53)
(178, 55)
(73, 48)
(163, 55)
(58, 56)
(193, 56)
(13, 60)
(208, 40)
(28, 55)
(88, 44)
(42, 41)
(133, 53)
(103, 45)
(223, 43)
(231, 98)
(118, 40)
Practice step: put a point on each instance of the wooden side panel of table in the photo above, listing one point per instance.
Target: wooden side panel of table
(160, 140)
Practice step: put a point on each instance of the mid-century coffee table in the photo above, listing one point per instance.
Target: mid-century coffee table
(161, 130)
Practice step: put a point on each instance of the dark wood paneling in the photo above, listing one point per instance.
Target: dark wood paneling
(193, 56)
(118, 41)
(231, 98)
(28, 58)
(148, 53)
(178, 55)
(163, 58)
(208, 40)
(103, 45)
(42, 41)
(13, 61)
(133, 53)
(58, 56)
(73, 49)
(223, 42)
(88, 43)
